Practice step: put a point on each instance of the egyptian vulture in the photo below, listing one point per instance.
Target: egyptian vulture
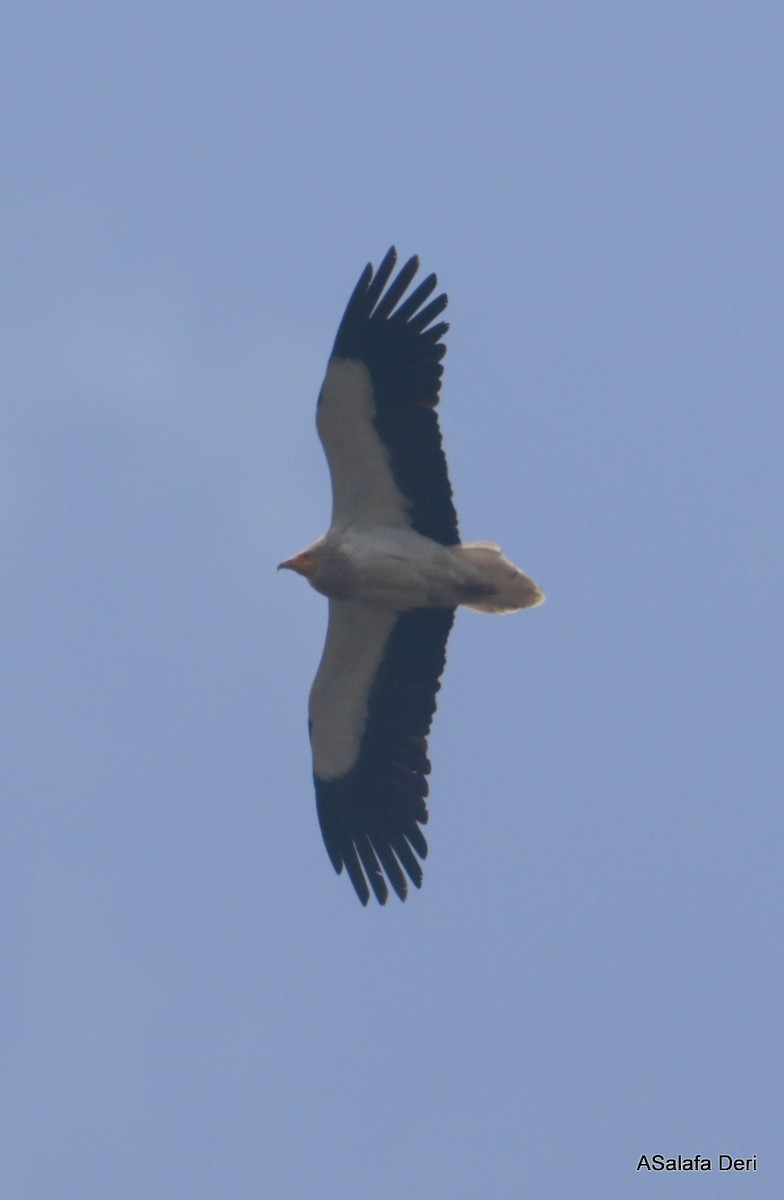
(394, 571)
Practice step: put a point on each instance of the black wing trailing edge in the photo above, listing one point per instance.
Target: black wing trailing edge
(370, 818)
(402, 350)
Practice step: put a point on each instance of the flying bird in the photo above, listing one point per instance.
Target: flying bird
(394, 571)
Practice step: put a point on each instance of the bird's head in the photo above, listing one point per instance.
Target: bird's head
(324, 567)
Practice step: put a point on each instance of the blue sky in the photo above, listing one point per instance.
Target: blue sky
(193, 1005)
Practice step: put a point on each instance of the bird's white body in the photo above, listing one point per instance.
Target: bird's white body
(401, 569)
(396, 567)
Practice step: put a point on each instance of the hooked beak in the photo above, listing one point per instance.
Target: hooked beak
(303, 563)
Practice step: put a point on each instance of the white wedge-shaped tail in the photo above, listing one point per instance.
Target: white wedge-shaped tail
(511, 588)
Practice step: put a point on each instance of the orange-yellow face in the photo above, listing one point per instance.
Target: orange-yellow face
(303, 563)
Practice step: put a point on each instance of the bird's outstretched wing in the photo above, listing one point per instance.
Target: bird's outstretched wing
(376, 412)
(370, 711)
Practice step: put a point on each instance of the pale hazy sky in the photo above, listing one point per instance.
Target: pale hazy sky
(193, 1005)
